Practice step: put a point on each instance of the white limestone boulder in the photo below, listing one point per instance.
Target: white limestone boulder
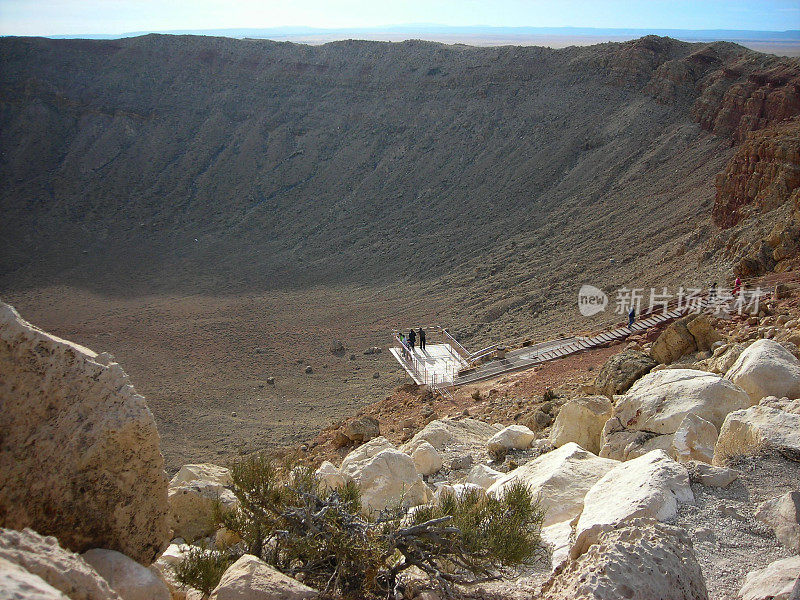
(513, 437)
(782, 514)
(250, 578)
(776, 581)
(694, 440)
(357, 458)
(192, 507)
(626, 444)
(427, 459)
(202, 472)
(581, 420)
(385, 478)
(559, 538)
(559, 479)
(483, 476)
(747, 431)
(128, 578)
(710, 475)
(766, 368)
(648, 486)
(446, 434)
(640, 559)
(329, 477)
(80, 456)
(18, 584)
(64, 570)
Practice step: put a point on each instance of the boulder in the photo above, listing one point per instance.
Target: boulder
(192, 507)
(766, 368)
(659, 401)
(447, 433)
(724, 357)
(128, 578)
(18, 584)
(581, 420)
(710, 475)
(776, 581)
(79, 454)
(694, 440)
(621, 371)
(483, 476)
(427, 460)
(385, 478)
(203, 472)
(513, 437)
(62, 569)
(559, 479)
(674, 342)
(784, 404)
(250, 578)
(559, 537)
(164, 568)
(625, 444)
(329, 476)
(782, 514)
(357, 458)
(648, 486)
(640, 559)
(362, 429)
(758, 427)
(703, 332)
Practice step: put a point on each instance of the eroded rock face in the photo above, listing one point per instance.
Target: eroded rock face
(747, 431)
(694, 440)
(65, 571)
(621, 371)
(649, 486)
(128, 578)
(559, 479)
(79, 450)
(18, 584)
(581, 420)
(766, 368)
(640, 559)
(674, 342)
(776, 581)
(250, 578)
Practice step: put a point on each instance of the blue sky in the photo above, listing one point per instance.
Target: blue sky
(52, 17)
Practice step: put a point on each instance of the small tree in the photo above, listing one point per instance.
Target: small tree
(285, 518)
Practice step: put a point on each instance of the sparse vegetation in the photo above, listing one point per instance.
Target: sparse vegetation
(286, 519)
(202, 569)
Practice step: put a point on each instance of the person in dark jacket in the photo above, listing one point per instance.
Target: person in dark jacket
(412, 337)
(631, 316)
(421, 338)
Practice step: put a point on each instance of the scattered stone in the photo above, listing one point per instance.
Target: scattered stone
(694, 440)
(766, 368)
(710, 475)
(640, 559)
(648, 486)
(759, 427)
(776, 581)
(250, 578)
(427, 460)
(271, 380)
(362, 429)
(376, 375)
(128, 578)
(621, 371)
(80, 455)
(782, 514)
(581, 421)
(309, 369)
(483, 476)
(513, 437)
(337, 348)
(62, 569)
(459, 463)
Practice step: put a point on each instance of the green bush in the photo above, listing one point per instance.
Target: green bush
(202, 569)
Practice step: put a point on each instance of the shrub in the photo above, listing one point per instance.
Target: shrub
(287, 520)
(202, 569)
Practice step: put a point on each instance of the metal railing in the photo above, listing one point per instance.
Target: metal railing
(435, 380)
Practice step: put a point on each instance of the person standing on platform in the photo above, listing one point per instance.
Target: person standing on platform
(412, 337)
(421, 338)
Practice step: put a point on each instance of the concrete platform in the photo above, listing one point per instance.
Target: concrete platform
(437, 364)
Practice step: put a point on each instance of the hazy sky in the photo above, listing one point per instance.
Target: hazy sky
(52, 17)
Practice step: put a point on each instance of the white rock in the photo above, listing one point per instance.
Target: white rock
(128, 578)
(745, 431)
(329, 476)
(80, 456)
(558, 537)
(694, 440)
(649, 486)
(773, 582)
(581, 421)
(626, 444)
(711, 476)
(483, 476)
(426, 459)
(513, 437)
(18, 584)
(192, 508)
(659, 401)
(357, 458)
(445, 433)
(766, 368)
(250, 578)
(62, 569)
(782, 514)
(385, 478)
(559, 479)
(784, 404)
(640, 559)
(202, 472)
